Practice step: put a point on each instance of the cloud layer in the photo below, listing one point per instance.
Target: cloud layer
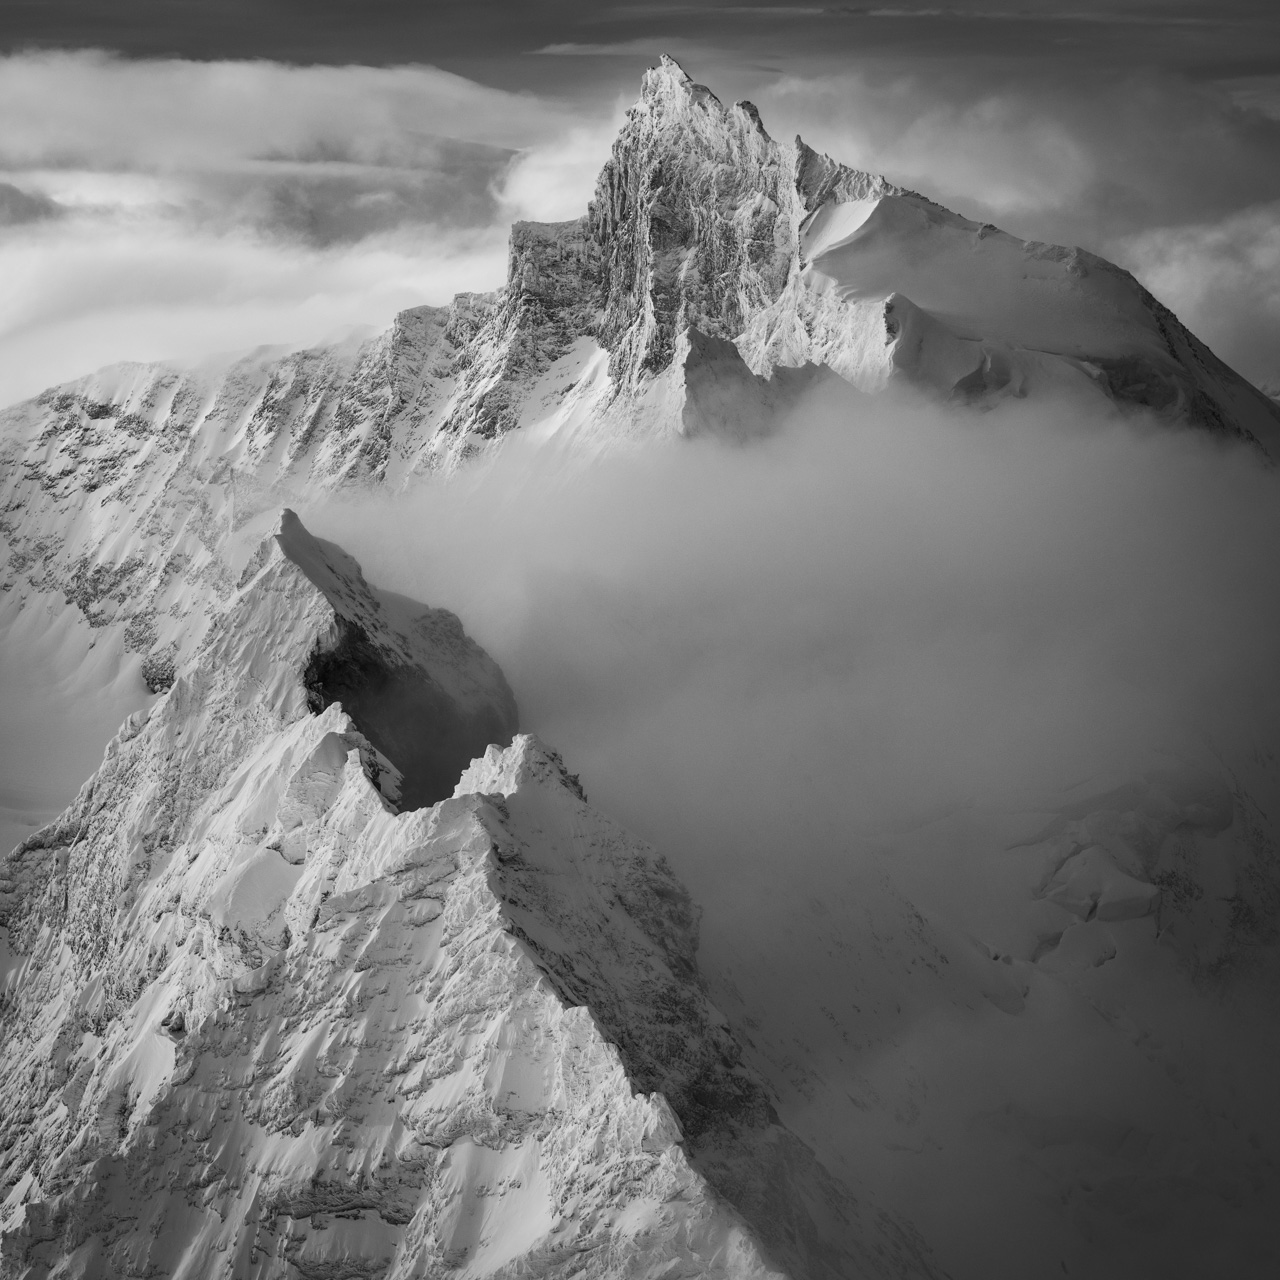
(879, 614)
(170, 209)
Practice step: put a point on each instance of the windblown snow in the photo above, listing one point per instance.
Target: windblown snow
(328, 971)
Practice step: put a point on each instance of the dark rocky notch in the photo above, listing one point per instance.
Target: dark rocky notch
(404, 713)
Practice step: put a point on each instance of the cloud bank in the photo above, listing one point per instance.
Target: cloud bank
(883, 612)
(170, 209)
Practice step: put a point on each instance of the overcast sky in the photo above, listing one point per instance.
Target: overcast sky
(187, 176)
(489, 41)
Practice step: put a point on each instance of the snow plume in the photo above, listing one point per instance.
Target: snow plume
(884, 611)
(553, 181)
(170, 209)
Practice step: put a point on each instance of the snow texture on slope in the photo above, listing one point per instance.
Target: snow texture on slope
(258, 1023)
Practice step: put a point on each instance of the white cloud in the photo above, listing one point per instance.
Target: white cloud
(86, 290)
(170, 113)
(1063, 148)
(167, 209)
(873, 616)
(554, 180)
(1223, 279)
(994, 149)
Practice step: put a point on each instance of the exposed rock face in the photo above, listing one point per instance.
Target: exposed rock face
(697, 217)
(257, 1022)
(415, 684)
(691, 214)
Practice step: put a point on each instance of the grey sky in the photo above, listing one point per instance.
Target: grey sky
(491, 40)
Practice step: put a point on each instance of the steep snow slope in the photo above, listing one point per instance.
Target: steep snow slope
(259, 1023)
(67, 687)
(974, 312)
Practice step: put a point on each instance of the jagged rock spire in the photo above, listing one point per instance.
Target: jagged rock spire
(689, 219)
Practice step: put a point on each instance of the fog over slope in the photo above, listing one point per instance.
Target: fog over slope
(846, 679)
(888, 603)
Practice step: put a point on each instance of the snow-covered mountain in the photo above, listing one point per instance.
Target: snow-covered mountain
(328, 972)
(702, 226)
(717, 279)
(264, 1017)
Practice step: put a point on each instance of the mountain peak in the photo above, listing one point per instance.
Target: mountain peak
(669, 89)
(670, 96)
(685, 219)
(670, 77)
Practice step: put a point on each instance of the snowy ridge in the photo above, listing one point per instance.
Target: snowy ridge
(261, 1024)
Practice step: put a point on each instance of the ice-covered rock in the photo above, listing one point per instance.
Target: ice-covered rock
(263, 1019)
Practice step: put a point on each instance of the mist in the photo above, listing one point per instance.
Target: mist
(885, 611)
(840, 679)
(171, 210)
